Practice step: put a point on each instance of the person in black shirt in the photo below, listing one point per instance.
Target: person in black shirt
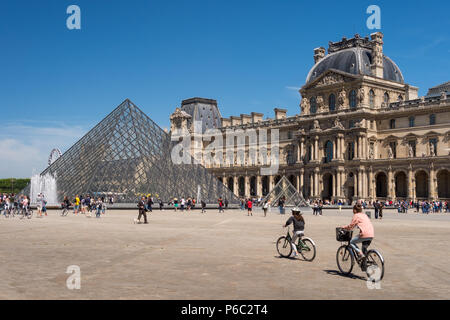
(299, 227)
(142, 210)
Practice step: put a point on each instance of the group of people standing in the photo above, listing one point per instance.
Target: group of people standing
(86, 205)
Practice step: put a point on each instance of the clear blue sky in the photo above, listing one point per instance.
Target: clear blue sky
(248, 55)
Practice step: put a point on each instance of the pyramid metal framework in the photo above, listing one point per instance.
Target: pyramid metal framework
(284, 188)
(128, 155)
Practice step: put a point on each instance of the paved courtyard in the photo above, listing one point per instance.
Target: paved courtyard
(214, 256)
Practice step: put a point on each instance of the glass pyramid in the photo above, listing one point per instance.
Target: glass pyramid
(285, 189)
(128, 155)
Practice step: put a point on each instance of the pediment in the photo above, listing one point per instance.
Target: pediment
(331, 77)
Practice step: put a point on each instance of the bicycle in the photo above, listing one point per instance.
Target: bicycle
(346, 256)
(305, 246)
(64, 211)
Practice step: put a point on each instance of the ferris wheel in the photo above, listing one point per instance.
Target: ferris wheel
(54, 155)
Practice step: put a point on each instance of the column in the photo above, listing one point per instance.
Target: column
(335, 149)
(410, 184)
(316, 182)
(360, 147)
(259, 186)
(356, 149)
(334, 185)
(301, 181)
(236, 185)
(389, 186)
(338, 183)
(359, 184)
(297, 177)
(247, 186)
(225, 181)
(355, 183)
(311, 185)
(364, 184)
(431, 188)
(342, 148)
(302, 148)
(316, 148)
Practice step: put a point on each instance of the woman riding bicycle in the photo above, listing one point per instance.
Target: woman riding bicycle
(299, 227)
(366, 232)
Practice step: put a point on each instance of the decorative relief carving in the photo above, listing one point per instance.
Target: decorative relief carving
(320, 104)
(361, 96)
(338, 124)
(304, 104)
(342, 99)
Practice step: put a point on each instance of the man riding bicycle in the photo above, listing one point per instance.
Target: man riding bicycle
(365, 226)
(299, 227)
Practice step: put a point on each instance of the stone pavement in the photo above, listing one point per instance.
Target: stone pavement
(214, 256)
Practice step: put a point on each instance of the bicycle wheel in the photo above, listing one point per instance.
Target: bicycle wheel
(284, 247)
(307, 249)
(375, 265)
(345, 260)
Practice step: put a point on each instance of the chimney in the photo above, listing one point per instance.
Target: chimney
(280, 113)
(257, 117)
(245, 118)
(377, 54)
(226, 122)
(319, 54)
(235, 121)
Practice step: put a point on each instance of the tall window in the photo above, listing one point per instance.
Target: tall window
(372, 99)
(412, 121)
(386, 98)
(332, 102)
(351, 151)
(313, 103)
(309, 153)
(328, 151)
(432, 119)
(352, 99)
(392, 124)
(351, 124)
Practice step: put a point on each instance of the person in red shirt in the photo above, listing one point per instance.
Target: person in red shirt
(249, 206)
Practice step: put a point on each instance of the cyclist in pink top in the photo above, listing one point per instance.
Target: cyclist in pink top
(366, 232)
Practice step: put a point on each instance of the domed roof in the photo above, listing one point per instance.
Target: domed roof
(356, 61)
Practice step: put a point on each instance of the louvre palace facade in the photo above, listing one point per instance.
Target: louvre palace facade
(362, 132)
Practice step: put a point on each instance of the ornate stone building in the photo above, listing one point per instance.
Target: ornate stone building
(362, 133)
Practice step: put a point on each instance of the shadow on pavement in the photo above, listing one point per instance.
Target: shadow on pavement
(349, 276)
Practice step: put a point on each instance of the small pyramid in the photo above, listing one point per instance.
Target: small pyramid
(284, 188)
(128, 155)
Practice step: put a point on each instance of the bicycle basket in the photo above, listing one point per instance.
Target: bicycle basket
(343, 235)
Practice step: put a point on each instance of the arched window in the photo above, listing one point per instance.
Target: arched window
(432, 119)
(386, 98)
(372, 99)
(313, 103)
(400, 98)
(328, 151)
(332, 102)
(352, 99)
(412, 121)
